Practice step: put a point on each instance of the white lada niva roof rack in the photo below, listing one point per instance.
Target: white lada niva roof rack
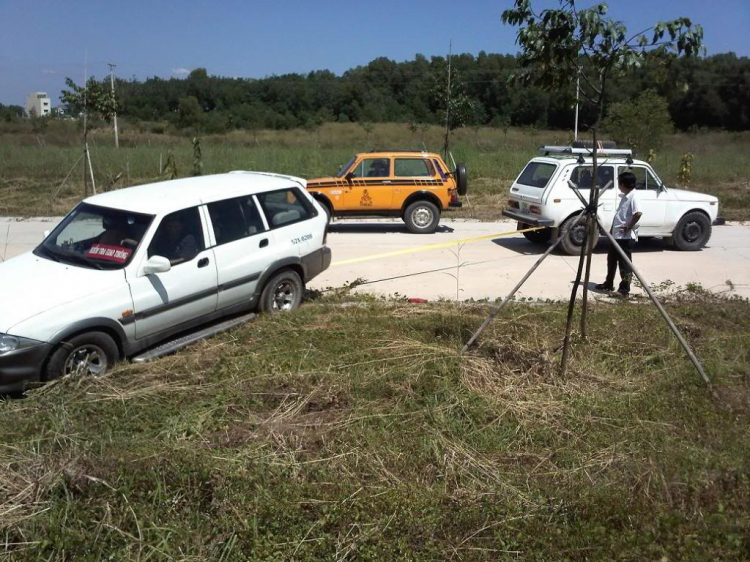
(585, 151)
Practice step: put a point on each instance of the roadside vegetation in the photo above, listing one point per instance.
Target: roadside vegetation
(706, 92)
(284, 440)
(33, 164)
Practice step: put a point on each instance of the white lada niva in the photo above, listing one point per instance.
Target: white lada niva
(541, 196)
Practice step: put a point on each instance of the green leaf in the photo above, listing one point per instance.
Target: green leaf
(557, 41)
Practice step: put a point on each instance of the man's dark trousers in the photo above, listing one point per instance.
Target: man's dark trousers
(614, 259)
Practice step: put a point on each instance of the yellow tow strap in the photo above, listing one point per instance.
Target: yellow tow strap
(430, 247)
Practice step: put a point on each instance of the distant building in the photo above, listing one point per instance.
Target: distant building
(39, 104)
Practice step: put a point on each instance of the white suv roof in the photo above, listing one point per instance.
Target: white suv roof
(167, 196)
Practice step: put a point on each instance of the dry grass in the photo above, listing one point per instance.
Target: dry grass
(283, 440)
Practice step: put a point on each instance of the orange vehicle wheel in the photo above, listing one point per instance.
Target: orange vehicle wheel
(422, 217)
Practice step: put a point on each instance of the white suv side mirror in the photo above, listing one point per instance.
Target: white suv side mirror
(46, 233)
(157, 264)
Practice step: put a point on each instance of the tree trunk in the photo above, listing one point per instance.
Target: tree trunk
(591, 234)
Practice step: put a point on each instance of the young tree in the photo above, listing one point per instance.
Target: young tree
(640, 124)
(38, 124)
(189, 113)
(451, 103)
(560, 45)
(9, 113)
(95, 98)
(197, 157)
(368, 128)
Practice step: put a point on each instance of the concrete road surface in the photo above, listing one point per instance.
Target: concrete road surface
(452, 263)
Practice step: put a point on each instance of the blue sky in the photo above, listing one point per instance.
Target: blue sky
(43, 41)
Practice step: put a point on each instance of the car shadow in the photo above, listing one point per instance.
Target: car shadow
(522, 246)
(376, 228)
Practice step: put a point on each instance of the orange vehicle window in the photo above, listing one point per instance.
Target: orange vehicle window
(439, 168)
(373, 168)
(345, 168)
(413, 167)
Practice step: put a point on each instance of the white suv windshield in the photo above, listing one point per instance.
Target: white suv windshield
(96, 237)
(537, 174)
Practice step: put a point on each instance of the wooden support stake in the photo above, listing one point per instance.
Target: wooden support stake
(658, 305)
(572, 303)
(497, 309)
(91, 169)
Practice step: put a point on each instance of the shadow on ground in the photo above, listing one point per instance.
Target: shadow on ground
(377, 228)
(522, 246)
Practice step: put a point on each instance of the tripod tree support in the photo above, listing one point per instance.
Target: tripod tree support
(557, 44)
(659, 306)
(57, 192)
(507, 299)
(91, 168)
(574, 292)
(590, 210)
(591, 236)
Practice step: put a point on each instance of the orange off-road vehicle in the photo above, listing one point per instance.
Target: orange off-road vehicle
(416, 186)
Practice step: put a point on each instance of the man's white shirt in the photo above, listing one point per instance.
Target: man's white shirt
(627, 207)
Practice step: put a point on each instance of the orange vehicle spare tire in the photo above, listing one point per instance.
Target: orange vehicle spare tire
(462, 179)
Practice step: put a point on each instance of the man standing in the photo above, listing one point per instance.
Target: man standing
(625, 232)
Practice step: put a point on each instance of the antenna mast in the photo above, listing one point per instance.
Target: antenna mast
(448, 103)
(85, 122)
(86, 153)
(578, 91)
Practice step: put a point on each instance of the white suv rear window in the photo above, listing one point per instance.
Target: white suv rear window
(285, 207)
(537, 174)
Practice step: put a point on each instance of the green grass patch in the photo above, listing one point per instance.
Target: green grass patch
(358, 433)
(32, 169)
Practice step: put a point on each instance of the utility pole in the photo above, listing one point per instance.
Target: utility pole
(85, 122)
(578, 90)
(448, 103)
(112, 83)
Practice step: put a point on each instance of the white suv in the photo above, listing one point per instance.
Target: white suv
(541, 196)
(130, 268)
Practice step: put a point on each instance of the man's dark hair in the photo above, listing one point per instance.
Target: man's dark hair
(627, 179)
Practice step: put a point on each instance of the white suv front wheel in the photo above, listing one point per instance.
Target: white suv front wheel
(90, 353)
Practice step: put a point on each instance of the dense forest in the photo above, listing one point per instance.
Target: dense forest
(712, 92)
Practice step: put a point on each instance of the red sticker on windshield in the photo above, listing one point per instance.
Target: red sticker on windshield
(116, 254)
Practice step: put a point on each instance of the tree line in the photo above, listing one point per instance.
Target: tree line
(712, 92)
